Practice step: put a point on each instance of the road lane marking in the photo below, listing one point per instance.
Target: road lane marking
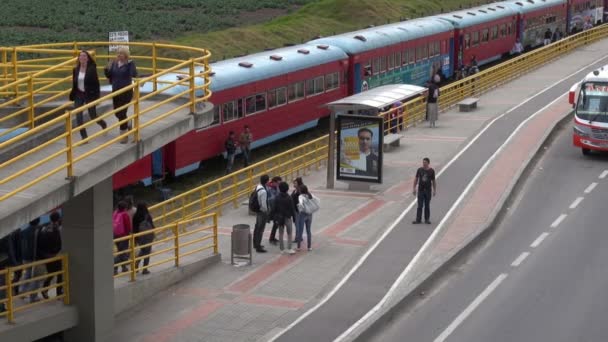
(474, 304)
(604, 174)
(539, 240)
(558, 220)
(364, 257)
(590, 187)
(576, 202)
(520, 259)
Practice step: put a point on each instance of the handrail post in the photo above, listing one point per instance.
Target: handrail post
(9, 295)
(30, 100)
(176, 242)
(215, 244)
(5, 66)
(192, 97)
(68, 142)
(136, 111)
(66, 279)
(132, 254)
(207, 71)
(15, 71)
(234, 191)
(154, 66)
(203, 200)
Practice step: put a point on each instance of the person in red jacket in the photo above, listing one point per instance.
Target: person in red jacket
(122, 227)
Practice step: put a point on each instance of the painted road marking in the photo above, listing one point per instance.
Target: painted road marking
(364, 257)
(590, 187)
(604, 174)
(576, 202)
(539, 240)
(474, 304)
(520, 259)
(558, 220)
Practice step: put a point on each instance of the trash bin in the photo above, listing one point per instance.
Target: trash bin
(241, 240)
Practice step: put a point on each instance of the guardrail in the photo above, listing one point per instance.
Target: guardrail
(10, 282)
(176, 241)
(236, 186)
(66, 157)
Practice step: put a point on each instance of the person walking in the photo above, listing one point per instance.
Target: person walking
(142, 222)
(120, 73)
(122, 226)
(49, 246)
(307, 206)
(273, 192)
(427, 186)
(230, 146)
(29, 240)
(245, 142)
(283, 213)
(548, 36)
(262, 215)
(85, 89)
(431, 102)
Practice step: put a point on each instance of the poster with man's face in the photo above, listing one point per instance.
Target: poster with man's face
(360, 148)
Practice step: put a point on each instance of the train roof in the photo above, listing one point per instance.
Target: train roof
(385, 35)
(526, 6)
(478, 15)
(242, 70)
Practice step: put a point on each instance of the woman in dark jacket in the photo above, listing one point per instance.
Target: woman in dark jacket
(120, 73)
(142, 221)
(85, 89)
(283, 212)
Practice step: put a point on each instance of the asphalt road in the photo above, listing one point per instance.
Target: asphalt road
(555, 292)
(369, 283)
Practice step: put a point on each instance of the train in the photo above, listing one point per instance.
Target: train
(284, 91)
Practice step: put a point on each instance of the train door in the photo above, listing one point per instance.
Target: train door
(452, 57)
(458, 49)
(158, 164)
(357, 79)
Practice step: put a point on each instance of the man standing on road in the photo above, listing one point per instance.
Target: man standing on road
(245, 142)
(425, 180)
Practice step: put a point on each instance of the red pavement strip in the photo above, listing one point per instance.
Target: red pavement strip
(272, 301)
(356, 216)
(167, 332)
(486, 196)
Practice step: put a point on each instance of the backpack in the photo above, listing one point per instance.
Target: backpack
(49, 238)
(145, 225)
(254, 202)
(118, 224)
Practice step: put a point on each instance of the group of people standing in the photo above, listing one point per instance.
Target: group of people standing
(284, 210)
(231, 145)
(86, 88)
(126, 220)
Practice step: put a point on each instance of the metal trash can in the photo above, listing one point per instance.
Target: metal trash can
(242, 243)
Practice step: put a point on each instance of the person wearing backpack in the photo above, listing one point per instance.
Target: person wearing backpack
(142, 221)
(283, 212)
(49, 245)
(122, 227)
(258, 203)
(307, 206)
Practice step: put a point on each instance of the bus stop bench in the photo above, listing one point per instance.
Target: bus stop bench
(391, 140)
(467, 104)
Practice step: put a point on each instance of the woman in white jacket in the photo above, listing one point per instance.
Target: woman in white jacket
(307, 205)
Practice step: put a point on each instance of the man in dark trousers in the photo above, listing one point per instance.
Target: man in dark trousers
(427, 186)
(261, 217)
(230, 146)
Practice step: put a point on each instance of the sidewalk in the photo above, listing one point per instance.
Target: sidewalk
(250, 303)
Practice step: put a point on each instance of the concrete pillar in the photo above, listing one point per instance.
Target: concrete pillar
(87, 238)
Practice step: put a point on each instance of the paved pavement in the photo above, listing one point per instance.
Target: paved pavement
(548, 271)
(251, 303)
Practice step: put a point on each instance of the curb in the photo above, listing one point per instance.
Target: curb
(402, 300)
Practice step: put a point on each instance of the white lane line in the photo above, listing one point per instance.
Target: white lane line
(414, 202)
(520, 259)
(576, 202)
(539, 240)
(590, 187)
(474, 304)
(604, 174)
(558, 220)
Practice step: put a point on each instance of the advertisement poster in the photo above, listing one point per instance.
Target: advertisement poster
(359, 148)
(118, 37)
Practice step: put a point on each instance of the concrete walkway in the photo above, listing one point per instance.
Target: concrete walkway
(255, 303)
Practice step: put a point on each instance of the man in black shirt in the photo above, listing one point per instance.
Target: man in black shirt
(425, 180)
(230, 146)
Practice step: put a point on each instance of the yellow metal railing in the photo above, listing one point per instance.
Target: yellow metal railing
(11, 303)
(230, 189)
(61, 150)
(171, 244)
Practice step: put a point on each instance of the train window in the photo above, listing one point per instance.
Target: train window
(319, 84)
(310, 87)
(332, 81)
(431, 49)
(228, 110)
(485, 34)
(438, 48)
(404, 57)
(475, 40)
(216, 115)
(376, 66)
(412, 56)
(502, 30)
(424, 51)
(277, 97)
(391, 61)
(296, 91)
(467, 41)
(397, 59)
(444, 46)
(494, 33)
(256, 103)
(383, 64)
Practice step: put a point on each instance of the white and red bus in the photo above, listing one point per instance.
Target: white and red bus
(590, 101)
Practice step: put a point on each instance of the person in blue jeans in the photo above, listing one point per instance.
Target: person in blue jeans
(427, 187)
(305, 219)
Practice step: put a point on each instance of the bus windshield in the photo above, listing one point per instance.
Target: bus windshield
(593, 102)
